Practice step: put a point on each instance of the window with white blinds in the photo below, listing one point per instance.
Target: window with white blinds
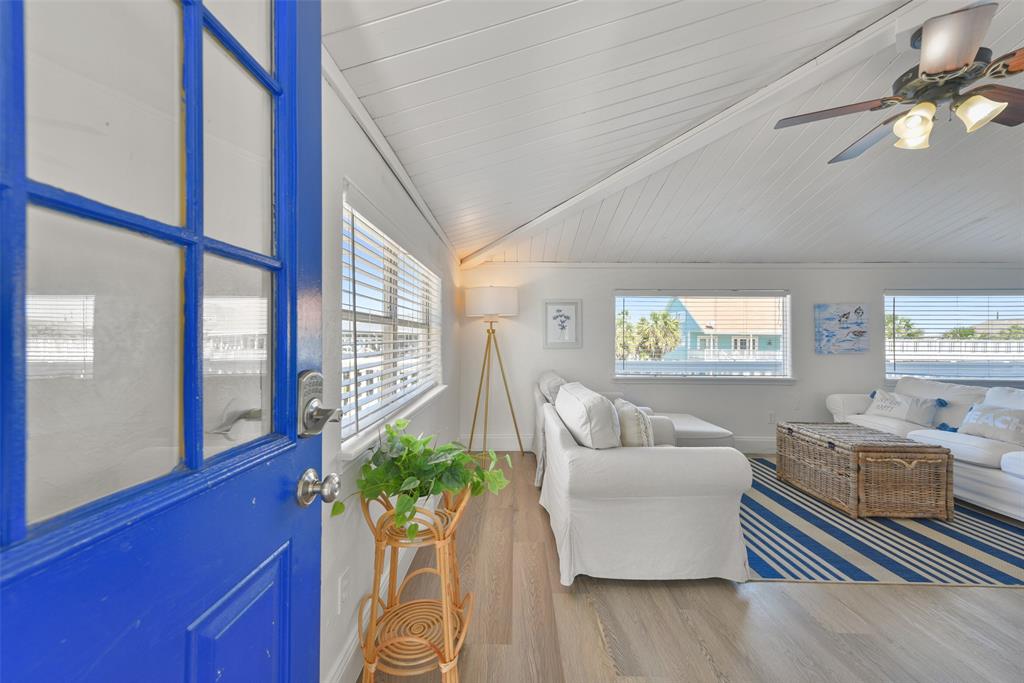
(955, 336)
(59, 339)
(702, 334)
(391, 332)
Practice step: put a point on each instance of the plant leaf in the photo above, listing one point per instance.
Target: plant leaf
(409, 484)
(338, 508)
(411, 531)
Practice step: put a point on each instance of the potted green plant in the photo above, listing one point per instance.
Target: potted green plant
(409, 468)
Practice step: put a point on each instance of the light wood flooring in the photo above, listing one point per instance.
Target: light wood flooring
(528, 628)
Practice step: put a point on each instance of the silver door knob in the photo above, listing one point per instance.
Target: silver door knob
(310, 486)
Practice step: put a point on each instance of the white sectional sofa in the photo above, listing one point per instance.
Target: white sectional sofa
(629, 512)
(986, 472)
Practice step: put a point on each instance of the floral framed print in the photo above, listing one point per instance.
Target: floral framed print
(562, 329)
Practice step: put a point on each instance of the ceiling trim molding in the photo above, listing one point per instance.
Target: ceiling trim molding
(769, 265)
(348, 96)
(844, 55)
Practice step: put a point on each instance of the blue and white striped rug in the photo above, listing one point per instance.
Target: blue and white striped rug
(793, 537)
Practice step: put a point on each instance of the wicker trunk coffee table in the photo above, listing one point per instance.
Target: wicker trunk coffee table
(864, 472)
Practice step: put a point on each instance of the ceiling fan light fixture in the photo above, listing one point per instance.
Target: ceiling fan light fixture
(915, 123)
(913, 143)
(977, 110)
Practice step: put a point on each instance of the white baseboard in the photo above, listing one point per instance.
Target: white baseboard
(755, 445)
(507, 442)
(499, 442)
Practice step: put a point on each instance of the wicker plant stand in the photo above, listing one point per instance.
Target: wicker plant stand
(864, 472)
(417, 636)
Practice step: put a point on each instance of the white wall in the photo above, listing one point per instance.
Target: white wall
(741, 407)
(347, 562)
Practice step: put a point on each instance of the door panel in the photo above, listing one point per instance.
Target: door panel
(129, 606)
(149, 529)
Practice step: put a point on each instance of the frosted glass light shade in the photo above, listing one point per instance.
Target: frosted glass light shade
(913, 143)
(977, 110)
(491, 302)
(915, 123)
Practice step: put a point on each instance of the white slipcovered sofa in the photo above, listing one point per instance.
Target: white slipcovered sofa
(659, 512)
(986, 472)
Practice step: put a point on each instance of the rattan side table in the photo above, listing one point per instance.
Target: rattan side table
(417, 636)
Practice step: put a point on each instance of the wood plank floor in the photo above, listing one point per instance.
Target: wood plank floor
(528, 628)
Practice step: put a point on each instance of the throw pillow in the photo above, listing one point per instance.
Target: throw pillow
(634, 425)
(994, 422)
(590, 417)
(956, 399)
(1005, 397)
(549, 384)
(908, 408)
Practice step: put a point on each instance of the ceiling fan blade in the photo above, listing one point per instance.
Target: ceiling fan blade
(868, 140)
(870, 105)
(1009, 64)
(1013, 115)
(950, 41)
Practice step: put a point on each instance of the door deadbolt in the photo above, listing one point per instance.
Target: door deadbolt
(313, 416)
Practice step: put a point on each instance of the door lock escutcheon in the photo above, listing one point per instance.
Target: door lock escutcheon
(313, 416)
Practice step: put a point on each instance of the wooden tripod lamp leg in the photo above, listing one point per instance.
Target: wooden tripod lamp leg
(508, 394)
(487, 383)
(479, 389)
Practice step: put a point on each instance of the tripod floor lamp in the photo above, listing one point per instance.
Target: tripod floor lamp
(491, 303)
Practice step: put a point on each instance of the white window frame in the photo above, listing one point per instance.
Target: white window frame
(406, 400)
(970, 346)
(786, 337)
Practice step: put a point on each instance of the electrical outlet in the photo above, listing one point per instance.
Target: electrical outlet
(344, 586)
(771, 417)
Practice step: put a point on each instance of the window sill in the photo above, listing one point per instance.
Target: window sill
(356, 446)
(890, 382)
(642, 379)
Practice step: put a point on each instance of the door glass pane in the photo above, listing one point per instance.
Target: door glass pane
(237, 354)
(237, 149)
(104, 351)
(249, 21)
(103, 103)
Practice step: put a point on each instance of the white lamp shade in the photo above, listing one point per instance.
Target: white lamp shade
(492, 302)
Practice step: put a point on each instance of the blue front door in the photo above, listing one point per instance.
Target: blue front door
(159, 294)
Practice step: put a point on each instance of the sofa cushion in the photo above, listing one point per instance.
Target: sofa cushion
(976, 450)
(1005, 397)
(994, 422)
(1013, 463)
(958, 397)
(920, 411)
(635, 427)
(590, 417)
(891, 425)
(692, 431)
(549, 383)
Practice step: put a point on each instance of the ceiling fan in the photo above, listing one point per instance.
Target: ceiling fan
(951, 59)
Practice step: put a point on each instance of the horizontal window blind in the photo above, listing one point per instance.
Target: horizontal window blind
(694, 334)
(391, 343)
(59, 338)
(952, 336)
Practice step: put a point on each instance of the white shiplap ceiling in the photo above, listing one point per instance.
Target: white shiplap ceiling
(502, 109)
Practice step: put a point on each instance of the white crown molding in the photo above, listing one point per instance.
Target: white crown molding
(889, 265)
(844, 55)
(355, 107)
